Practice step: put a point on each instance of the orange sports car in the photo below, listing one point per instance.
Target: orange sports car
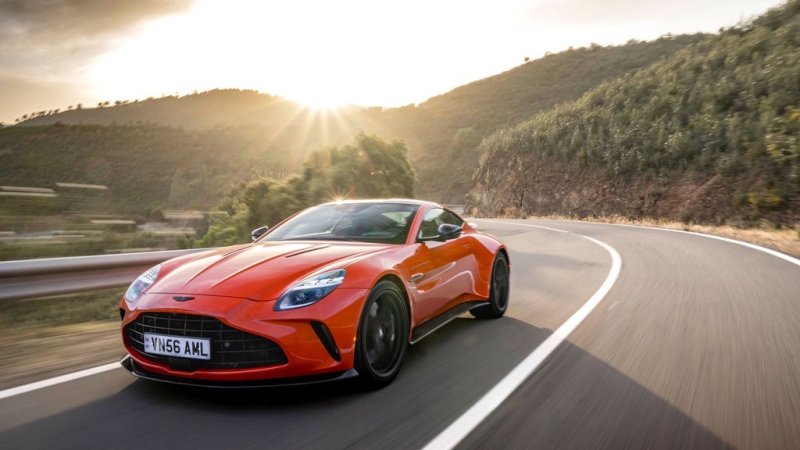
(334, 291)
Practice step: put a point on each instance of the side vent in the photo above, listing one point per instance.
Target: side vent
(325, 336)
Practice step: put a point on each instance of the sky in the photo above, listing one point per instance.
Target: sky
(323, 53)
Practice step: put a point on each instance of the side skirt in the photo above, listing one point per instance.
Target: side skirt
(422, 331)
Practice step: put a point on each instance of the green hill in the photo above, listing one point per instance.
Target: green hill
(145, 166)
(444, 132)
(711, 133)
(147, 152)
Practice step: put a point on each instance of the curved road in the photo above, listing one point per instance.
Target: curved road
(696, 345)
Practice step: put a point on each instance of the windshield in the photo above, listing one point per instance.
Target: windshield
(363, 222)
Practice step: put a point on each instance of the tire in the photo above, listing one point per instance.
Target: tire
(498, 291)
(382, 337)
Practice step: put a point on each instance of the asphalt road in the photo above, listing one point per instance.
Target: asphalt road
(697, 345)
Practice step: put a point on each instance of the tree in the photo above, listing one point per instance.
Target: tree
(369, 168)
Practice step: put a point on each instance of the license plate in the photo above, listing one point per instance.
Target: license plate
(182, 347)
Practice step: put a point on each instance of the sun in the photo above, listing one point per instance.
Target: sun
(318, 100)
(323, 105)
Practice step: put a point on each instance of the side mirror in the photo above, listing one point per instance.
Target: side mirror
(258, 232)
(448, 231)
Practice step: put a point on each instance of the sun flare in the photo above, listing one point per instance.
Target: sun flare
(324, 60)
(318, 101)
(326, 55)
(171, 56)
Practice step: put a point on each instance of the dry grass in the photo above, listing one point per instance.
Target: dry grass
(46, 337)
(784, 240)
(43, 313)
(39, 352)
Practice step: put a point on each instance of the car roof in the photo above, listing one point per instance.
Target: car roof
(404, 201)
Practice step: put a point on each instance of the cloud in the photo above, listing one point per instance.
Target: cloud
(46, 44)
(41, 20)
(52, 36)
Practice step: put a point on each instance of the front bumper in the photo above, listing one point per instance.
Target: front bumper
(128, 364)
(308, 357)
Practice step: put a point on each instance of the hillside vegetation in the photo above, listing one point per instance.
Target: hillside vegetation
(710, 134)
(150, 166)
(145, 167)
(443, 133)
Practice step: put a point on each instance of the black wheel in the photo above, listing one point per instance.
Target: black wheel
(382, 335)
(498, 291)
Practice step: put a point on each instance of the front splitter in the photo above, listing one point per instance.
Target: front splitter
(130, 365)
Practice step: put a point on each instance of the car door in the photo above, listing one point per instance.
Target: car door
(439, 271)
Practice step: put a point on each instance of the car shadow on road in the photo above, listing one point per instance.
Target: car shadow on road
(582, 402)
(462, 347)
(443, 375)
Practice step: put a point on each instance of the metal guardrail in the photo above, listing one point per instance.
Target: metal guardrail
(54, 276)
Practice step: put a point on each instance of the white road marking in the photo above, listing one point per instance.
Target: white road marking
(57, 380)
(459, 429)
(768, 251)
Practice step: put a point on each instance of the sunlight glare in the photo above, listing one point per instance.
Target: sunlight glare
(326, 54)
(320, 100)
(321, 54)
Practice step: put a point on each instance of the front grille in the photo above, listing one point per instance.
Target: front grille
(230, 348)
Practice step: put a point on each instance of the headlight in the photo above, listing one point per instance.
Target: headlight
(310, 290)
(140, 284)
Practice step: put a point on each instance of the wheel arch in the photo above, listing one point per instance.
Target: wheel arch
(397, 281)
(505, 254)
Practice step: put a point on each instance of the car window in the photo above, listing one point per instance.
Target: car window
(452, 218)
(434, 218)
(365, 222)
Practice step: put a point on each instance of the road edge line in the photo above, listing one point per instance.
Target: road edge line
(6, 393)
(472, 417)
(769, 251)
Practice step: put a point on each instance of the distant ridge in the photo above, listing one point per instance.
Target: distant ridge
(259, 133)
(199, 110)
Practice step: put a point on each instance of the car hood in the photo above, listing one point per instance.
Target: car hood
(259, 271)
